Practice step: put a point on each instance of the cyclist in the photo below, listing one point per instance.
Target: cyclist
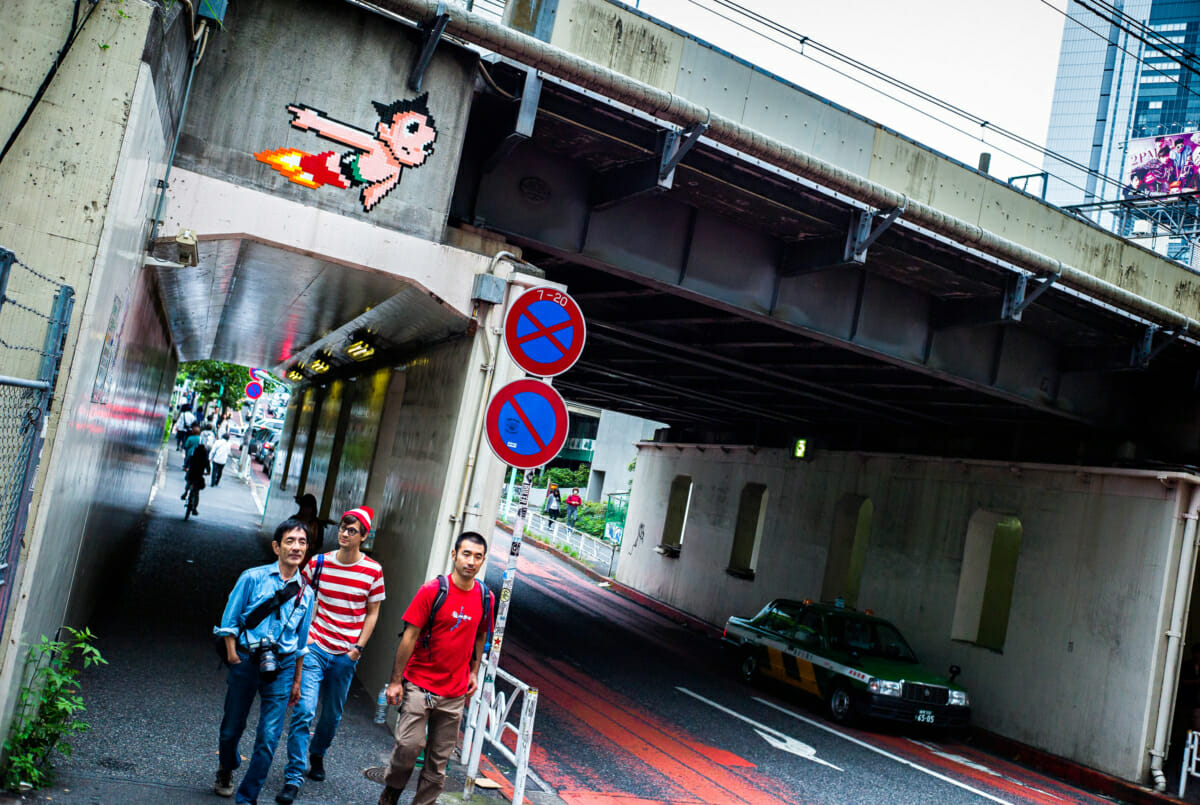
(197, 468)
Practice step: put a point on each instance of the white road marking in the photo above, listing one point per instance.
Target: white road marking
(769, 734)
(973, 764)
(884, 752)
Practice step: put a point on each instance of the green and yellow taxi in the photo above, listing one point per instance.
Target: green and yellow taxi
(857, 664)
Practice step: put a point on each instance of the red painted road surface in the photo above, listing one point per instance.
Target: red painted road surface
(600, 741)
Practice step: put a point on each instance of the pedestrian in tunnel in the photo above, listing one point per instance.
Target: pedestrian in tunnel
(573, 504)
(183, 425)
(190, 444)
(198, 466)
(437, 663)
(264, 628)
(307, 514)
(349, 589)
(218, 459)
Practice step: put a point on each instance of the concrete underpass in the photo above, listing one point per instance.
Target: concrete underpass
(965, 362)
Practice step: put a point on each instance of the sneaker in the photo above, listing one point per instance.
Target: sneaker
(224, 786)
(183, 496)
(389, 796)
(287, 794)
(316, 768)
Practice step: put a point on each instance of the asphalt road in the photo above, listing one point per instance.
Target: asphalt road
(635, 710)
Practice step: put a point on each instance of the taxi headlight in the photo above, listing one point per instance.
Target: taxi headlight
(959, 698)
(883, 687)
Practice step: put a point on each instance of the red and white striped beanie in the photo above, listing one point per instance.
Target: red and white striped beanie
(363, 514)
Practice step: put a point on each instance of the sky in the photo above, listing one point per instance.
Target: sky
(996, 60)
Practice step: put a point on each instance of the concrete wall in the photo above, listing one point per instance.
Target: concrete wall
(76, 194)
(616, 441)
(263, 61)
(1083, 655)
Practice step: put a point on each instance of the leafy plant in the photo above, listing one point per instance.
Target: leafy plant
(48, 708)
(566, 478)
(213, 379)
(567, 549)
(590, 519)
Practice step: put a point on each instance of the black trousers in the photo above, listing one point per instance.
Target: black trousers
(217, 469)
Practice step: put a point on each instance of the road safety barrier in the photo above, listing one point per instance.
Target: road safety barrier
(1191, 760)
(589, 549)
(497, 723)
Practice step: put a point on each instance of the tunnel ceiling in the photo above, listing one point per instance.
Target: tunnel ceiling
(707, 309)
(259, 305)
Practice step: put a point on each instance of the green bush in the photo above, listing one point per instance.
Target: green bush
(565, 478)
(591, 518)
(48, 707)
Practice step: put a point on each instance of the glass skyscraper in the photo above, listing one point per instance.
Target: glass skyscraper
(1113, 90)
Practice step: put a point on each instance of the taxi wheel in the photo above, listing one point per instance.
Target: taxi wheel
(748, 671)
(841, 705)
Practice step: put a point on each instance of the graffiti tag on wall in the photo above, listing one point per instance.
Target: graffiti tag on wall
(403, 138)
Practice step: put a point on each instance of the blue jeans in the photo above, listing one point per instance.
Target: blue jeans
(244, 683)
(326, 678)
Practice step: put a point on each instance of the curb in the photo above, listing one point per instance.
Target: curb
(653, 604)
(1091, 779)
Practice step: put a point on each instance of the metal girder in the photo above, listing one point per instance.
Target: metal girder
(527, 108)
(1018, 296)
(654, 175)
(1144, 350)
(431, 34)
(834, 251)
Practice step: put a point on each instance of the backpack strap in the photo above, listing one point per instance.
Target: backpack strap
(316, 579)
(485, 595)
(438, 599)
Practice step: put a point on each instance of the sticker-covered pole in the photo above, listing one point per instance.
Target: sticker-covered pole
(488, 691)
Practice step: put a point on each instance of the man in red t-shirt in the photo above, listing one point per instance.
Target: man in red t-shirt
(435, 671)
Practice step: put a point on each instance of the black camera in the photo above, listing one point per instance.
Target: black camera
(268, 663)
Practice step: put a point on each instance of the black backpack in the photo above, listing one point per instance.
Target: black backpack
(485, 596)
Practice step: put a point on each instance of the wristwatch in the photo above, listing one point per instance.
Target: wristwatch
(361, 649)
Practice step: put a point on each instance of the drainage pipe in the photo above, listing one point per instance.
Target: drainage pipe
(670, 107)
(1166, 701)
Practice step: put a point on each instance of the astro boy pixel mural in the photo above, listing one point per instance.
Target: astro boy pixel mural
(403, 138)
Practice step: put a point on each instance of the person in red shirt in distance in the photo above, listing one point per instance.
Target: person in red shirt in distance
(433, 678)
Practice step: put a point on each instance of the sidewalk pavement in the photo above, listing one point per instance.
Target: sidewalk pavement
(156, 707)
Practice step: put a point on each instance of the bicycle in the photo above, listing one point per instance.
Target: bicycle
(193, 499)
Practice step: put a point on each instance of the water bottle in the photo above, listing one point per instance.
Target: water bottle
(381, 705)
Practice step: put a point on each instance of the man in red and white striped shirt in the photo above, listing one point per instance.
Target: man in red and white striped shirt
(349, 588)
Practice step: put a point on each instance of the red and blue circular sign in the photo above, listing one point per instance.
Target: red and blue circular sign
(254, 389)
(526, 423)
(544, 332)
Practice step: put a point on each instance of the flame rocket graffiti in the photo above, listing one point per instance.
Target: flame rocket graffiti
(403, 138)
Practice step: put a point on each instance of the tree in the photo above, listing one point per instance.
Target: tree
(213, 378)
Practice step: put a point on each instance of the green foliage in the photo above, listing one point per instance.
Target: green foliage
(211, 378)
(566, 479)
(567, 549)
(48, 707)
(591, 518)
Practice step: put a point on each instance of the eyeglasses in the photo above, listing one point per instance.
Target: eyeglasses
(353, 531)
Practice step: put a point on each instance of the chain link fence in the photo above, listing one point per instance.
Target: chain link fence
(35, 312)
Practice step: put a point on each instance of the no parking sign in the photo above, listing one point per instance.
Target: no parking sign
(544, 332)
(526, 423)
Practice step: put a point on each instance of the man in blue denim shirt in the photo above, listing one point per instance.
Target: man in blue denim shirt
(285, 631)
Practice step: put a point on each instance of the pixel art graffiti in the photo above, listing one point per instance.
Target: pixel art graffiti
(403, 138)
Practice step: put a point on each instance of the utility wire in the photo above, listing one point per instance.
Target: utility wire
(805, 42)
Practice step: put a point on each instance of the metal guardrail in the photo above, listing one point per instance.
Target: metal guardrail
(1191, 761)
(498, 723)
(589, 549)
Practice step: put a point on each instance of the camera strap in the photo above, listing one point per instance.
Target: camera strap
(271, 605)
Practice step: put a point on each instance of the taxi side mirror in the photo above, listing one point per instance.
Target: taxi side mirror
(954, 671)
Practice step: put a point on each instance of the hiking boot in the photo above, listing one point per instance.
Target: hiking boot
(389, 796)
(316, 768)
(287, 794)
(224, 785)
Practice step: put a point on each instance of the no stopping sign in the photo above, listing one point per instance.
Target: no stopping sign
(544, 332)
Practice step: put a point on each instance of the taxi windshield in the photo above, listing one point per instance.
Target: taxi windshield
(869, 638)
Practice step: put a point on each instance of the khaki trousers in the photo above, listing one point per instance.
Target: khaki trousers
(422, 712)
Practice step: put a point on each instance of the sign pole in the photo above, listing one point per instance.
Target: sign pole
(488, 691)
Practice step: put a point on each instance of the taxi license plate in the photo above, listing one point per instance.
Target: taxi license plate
(924, 717)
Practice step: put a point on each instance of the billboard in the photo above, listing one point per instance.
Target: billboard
(1163, 165)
